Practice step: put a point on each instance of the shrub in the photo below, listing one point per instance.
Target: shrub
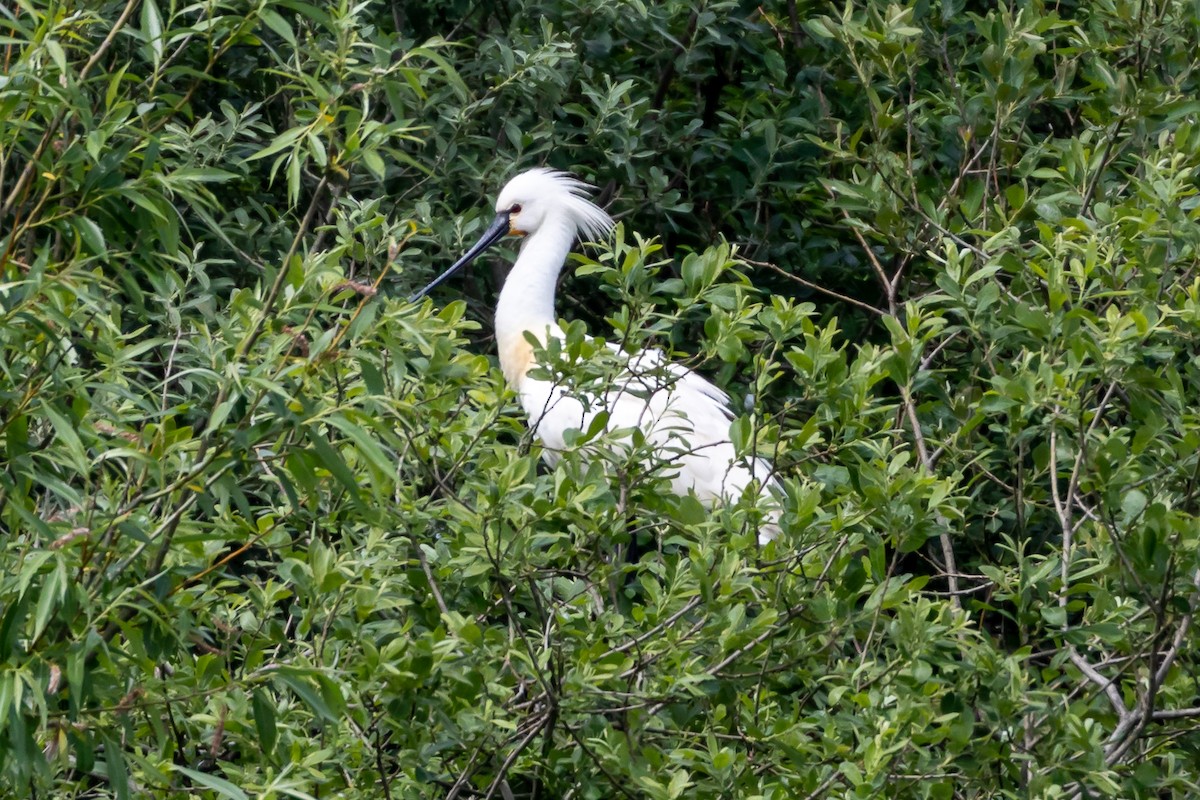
(273, 531)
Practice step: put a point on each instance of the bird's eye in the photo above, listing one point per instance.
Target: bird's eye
(516, 209)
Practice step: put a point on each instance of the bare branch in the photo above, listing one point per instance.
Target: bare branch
(817, 287)
(1106, 685)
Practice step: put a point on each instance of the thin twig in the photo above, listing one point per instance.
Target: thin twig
(433, 586)
(534, 730)
(817, 287)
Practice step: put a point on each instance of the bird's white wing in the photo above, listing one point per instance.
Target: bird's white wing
(684, 417)
(651, 370)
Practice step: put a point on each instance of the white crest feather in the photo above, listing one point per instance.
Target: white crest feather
(567, 192)
(593, 222)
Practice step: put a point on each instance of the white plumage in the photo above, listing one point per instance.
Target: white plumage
(684, 417)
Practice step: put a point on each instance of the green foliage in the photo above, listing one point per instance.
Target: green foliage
(270, 531)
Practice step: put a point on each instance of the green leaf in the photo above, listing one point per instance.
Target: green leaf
(219, 785)
(273, 20)
(265, 724)
(281, 142)
(152, 28)
(115, 768)
(1133, 502)
(818, 27)
(331, 460)
(53, 588)
(202, 175)
(90, 234)
(301, 682)
(679, 783)
(364, 442)
(429, 52)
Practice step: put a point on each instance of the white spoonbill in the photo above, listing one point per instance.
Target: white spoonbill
(684, 417)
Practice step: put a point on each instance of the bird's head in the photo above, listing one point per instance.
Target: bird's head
(540, 196)
(536, 199)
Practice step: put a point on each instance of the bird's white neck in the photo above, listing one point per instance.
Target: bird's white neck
(527, 299)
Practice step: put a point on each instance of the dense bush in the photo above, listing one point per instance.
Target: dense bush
(272, 531)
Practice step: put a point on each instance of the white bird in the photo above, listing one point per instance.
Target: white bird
(684, 417)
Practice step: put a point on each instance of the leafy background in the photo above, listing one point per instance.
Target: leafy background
(271, 531)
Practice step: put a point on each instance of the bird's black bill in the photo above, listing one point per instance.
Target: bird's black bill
(494, 233)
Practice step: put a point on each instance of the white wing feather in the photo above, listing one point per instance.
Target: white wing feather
(685, 419)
